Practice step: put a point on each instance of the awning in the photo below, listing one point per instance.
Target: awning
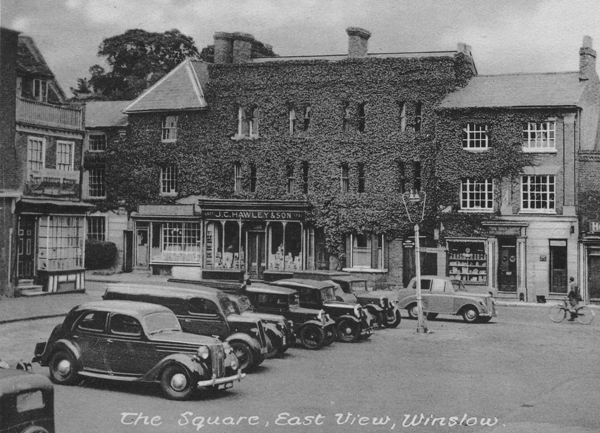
(45, 207)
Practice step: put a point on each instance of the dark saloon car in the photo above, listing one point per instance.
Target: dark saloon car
(314, 328)
(204, 312)
(352, 323)
(26, 402)
(135, 341)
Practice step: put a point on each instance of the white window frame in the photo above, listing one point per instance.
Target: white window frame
(168, 179)
(247, 122)
(539, 137)
(402, 119)
(237, 178)
(179, 243)
(61, 155)
(93, 175)
(344, 178)
(292, 117)
(103, 141)
(39, 89)
(477, 196)
(307, 114)
(96, 227)
(475, 136)
(39, 163)
(169, 129)
(367, 251)
(548, 196)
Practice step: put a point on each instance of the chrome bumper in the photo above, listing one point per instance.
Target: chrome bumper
(218, 381)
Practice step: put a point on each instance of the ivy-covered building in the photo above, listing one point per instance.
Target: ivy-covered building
(43, 218)
(274, 164)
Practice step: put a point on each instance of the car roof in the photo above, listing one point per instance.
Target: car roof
(299, 282)
(268, 288)
(12, 379)
(166, 291)
(124, 307)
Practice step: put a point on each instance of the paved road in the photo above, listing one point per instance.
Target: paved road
(520, 371)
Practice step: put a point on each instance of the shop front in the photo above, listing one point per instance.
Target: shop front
(590, 265)
(254, 237)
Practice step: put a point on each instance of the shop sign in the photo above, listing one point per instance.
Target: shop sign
(504, 231)
(252, 215)
(594, 226)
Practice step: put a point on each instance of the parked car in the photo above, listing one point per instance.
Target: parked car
(352, 323)
(135, 341)
(26, 402)
(446, 296)
(313, 328)
(379, 304)
(204, 312)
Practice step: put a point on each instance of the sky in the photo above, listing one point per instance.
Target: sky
(506, 36)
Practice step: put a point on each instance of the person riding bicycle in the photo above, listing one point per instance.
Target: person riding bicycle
(574, 298)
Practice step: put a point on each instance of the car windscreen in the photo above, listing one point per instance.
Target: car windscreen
(327, 294)
(458, 286)
(293, 300)
(161, 322)
(228, 306)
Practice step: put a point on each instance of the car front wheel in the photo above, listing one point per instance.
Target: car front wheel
(470, 315)
(312, 337)
(348, 331)
(392, 319)
(176, 383)
(244, 354)
(63, 368)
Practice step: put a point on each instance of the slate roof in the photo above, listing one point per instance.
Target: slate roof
(518, 90)
(180, 89)
(105, 114)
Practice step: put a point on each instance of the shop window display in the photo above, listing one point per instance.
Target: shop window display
(285, 252)
(467, 261)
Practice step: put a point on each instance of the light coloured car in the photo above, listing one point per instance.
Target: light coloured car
(446, 296)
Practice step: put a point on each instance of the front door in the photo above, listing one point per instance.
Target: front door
(26, 249)
(127, 251)
(507, 265)
(593, 283)
(558, 266)
(141, 248)
(256, 254)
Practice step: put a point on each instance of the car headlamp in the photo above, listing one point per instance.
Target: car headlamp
(203, 352)
(382, 302)
(321, 316)
(227, 348)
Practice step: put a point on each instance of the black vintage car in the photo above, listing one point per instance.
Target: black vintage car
(314, 328)
(135, 341)
(352, 323)
(380, 304)
(26, 402)
(203, 312)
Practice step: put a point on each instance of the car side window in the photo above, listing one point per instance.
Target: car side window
(437, 285)
(425, 284)
(202, 306)
(126, 325)
(94, 321)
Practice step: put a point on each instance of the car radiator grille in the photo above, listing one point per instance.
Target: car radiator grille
(261, 334)
(217, 358)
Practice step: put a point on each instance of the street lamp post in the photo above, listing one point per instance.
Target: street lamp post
(414, 198)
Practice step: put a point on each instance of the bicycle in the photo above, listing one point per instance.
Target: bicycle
(585, 314)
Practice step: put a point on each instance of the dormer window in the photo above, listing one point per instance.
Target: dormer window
(169, 129)
(40, 90)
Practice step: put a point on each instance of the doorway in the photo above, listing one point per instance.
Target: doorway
(127, 250)
(26, 248)
(593, 268)
(507, 264)
(558, 266)
(256, 254)
(141, 248)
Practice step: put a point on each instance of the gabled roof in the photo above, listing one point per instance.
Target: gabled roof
(180, 89)
(105, 114)
(519, 90)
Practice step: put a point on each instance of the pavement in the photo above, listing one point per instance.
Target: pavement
(59, 304)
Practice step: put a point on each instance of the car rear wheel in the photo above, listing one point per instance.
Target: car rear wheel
(412, 311)
(312, 337)
(470, 314)
(392, 319)
(63, 368)
(244, 354)
(176, 383)
(348, 331)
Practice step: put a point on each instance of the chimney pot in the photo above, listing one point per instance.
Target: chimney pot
(587, 60)
(357, 41)
(461, 47)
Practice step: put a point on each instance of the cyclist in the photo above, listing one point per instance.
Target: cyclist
(574, 298)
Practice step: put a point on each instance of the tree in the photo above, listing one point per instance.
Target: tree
(137, 59)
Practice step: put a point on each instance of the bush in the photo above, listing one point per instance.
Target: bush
(100, 254)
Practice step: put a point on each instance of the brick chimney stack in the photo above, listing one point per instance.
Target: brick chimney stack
(242, 47)
(357, 41)
(223, 47)
(587, 60)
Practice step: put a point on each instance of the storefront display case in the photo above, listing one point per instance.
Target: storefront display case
(467, 261)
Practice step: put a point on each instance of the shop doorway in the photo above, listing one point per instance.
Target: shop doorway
(256, 254)
(558, 266)
(507, 264)
(593, 282)
(26, 249)
(127, 250)
(141, 248)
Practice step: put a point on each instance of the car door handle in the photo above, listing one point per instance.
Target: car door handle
(109, 341)
(187, 320)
